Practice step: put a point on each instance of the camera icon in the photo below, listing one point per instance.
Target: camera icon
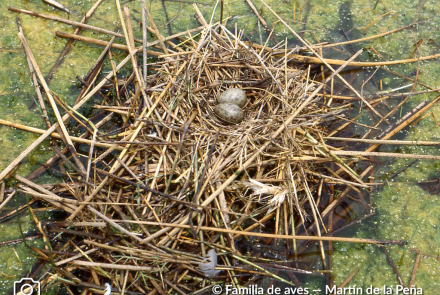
(26, 286)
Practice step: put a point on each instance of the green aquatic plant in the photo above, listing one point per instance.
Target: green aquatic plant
(409, 243)
(375, 4)
(19, 223)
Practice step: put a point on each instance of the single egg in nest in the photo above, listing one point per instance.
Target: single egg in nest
(229, 112)
(234, 95)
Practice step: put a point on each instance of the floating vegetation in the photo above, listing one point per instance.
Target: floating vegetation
(161, 194)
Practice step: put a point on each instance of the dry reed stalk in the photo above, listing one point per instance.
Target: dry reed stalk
(5, 201)
(414, 272)
(365, 38)
(387, 141)
(156, 31)
(393, 266)
(349, 278)
(314, 60)
(99, 42)
(255, 11)
(64, 132)
(114, 266)
(384, 154)
(56, 135)
(49, 199)
(59, 200)
(256, 234)
(35, 82)
(316, 214)
(57, 5)
(2, 191)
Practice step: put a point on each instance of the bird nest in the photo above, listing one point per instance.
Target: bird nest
(182, 181)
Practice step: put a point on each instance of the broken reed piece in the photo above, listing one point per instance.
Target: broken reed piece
(57, 5)
(386, 141)
(238, 233)
(100, 42)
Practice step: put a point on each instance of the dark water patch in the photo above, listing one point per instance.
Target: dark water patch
(431, 186)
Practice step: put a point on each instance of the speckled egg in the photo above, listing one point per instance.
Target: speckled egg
(234, 95)
(229, 112)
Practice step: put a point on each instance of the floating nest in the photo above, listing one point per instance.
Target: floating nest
(174, 199)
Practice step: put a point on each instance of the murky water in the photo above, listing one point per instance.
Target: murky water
(403, 207)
